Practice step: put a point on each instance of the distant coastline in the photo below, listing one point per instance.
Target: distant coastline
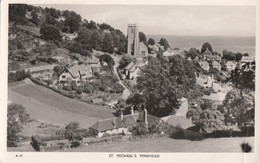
(243, 44)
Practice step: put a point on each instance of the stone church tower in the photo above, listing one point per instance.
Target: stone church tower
(133, 39)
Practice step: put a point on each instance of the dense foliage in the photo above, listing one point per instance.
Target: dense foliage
(163, 84)
(206, 46)
(16, 116)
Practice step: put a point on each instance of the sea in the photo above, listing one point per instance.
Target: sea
(218, 43)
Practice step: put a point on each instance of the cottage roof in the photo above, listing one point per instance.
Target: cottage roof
(134, 68)
(220, 96)
(152, 120)
(215, 63)
(207, 52)
(230, 63)
(92, 60)
(78, 69)
(114, 123)
(129, 66)
(95, 69)
(203, 64)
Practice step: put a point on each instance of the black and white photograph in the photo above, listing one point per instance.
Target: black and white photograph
(130, 80)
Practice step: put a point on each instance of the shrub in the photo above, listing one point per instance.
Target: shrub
(37, 142)
(187, 134)
(17, 76)
(67, 88)
(80, 90)
(139, 129)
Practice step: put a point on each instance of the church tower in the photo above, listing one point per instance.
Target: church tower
(133, 39)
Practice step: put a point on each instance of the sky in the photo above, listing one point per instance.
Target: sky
(172, 19)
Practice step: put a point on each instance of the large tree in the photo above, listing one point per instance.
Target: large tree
(163, 42)
(108, 43)
(151, 41)
(50, 33)
(71, 132)
(163, 84)
(142, 37)
(239, 108)
(205, 46)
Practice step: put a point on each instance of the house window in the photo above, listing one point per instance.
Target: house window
(63, 76)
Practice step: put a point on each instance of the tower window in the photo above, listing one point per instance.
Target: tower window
(132, 30)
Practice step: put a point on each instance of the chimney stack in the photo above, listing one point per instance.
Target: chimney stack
(132, 110)
(121, 115)
(145, 118)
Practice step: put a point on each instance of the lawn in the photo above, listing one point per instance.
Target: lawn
(48, 106)
(56, 100)
(166, 144)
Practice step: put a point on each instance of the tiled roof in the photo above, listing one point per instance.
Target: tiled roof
(114, 123)
(203, 64)
(215, 63)
(129, 66)
(76, 69)
(152, 120)
(92, 60)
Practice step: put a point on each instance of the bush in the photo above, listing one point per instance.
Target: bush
(139, 129)
(67, 88)
(187, 134)
(80, 90)
(17, 76)
(37, 142)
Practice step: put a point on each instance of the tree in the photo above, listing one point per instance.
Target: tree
(151, 41)
(72, 21)
(50, 33)
(84, 36)
(97, 40)
(35, 19)
(142, 37)
(125, 60)
(108, 59)
(137, 100)
(244, 78)
(71, 134)
(192, 53)
(16, 117)
(108, 44)
(205, 46)
(163, 42)
(228, 55)
(239, 108)
(163, 84)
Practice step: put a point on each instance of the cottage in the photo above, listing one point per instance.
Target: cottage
(117, 125)
(76, 73)
(92, 61)
(69, 36)
(120, 125)
(204, 65)
(216, 65)
(216, 98)
(132, 71)
(230, 65)
(246, 59)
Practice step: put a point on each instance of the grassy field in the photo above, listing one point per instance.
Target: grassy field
(165, 144)
(50, 107)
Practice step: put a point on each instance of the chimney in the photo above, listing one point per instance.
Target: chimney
(145, 117)
(132, 110)
(121, 115)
